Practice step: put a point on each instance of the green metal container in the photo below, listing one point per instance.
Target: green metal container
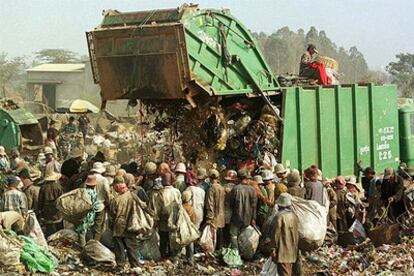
(16, 124)
(406, 120)
(168, 54)
(335, 127)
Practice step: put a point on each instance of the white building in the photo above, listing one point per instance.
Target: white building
(57, 85)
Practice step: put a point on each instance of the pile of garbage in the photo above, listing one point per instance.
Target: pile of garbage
(225, 133)
(382, 260)
(21, 254)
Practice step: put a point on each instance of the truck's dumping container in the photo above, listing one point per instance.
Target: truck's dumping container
(337, 126)
(19, 127)
(166, 54)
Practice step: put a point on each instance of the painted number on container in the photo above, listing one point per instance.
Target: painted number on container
(386, 135)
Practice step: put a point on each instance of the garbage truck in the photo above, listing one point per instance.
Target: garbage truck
(197, 55)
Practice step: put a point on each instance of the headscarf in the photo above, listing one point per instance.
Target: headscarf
(340, 182)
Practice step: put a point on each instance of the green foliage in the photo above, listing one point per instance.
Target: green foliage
(402, 72)
(56, 56)
(283, 50)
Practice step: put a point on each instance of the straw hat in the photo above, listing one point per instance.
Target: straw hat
(201, 173)
(98, 167)
(284, 200)
(52, 176)
(76, 153)
(258, 179)
(231, 175)
(91, 181)
(180, 168)
(267, 175)
(214, 174)
(279, 168)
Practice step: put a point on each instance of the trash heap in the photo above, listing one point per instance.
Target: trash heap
(22, 254)
(364, 258)
(225, 133)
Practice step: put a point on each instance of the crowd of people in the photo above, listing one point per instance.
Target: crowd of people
(229, 201)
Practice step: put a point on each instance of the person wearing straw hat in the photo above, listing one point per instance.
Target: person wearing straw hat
(51, 162)
(199, 195)
(356, 209)
(215, 207)
(293, 184)
(13, 199)
(286, 236)
(203, 181)
(49, 192)
(268, 182)
(180, 171)
(4, 160)
(391, 186)
(230, 180)
(263, 207)
(103, 192)
(89, 221)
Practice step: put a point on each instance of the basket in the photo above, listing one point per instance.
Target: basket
(328, 62)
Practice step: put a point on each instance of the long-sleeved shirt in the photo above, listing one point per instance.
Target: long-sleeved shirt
(243, 202)
(32, 196)
(314, 191)
(102, 191)
(14, 200)
(215, 205)
(168, 203)
(198, 203)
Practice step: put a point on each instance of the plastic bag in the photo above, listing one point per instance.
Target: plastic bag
(208, 239)
(33, 230)
(141, 221)
(64, 235)
(95, 252)
(149, 247)
(186, 232)
(37, 258)
(312, 222)
(231, 257)
(269, 268)
(248, 242)
(74, 205)
(358, 230)
(9, 250)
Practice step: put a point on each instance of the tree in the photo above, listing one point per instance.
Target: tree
(402, 72)
(11, 75)
(56, 56)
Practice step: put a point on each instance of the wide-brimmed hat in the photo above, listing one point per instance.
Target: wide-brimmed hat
(231, 175)
(279, 168)
(352, 181)
(243, 174)
(150, 168)
(284, 200)
(267, 175)
(76, 153)
(48, 150)
(201, 173)
(293, 179)
(214, 174)
(98, 167)
(91, 181)
(52, 176)
(258, 179)
(180, 168)
(110, 170)
(388, 173)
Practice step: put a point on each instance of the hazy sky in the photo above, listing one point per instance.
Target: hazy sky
(379, 28)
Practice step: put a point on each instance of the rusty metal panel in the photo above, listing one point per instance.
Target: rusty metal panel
(141, 62)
